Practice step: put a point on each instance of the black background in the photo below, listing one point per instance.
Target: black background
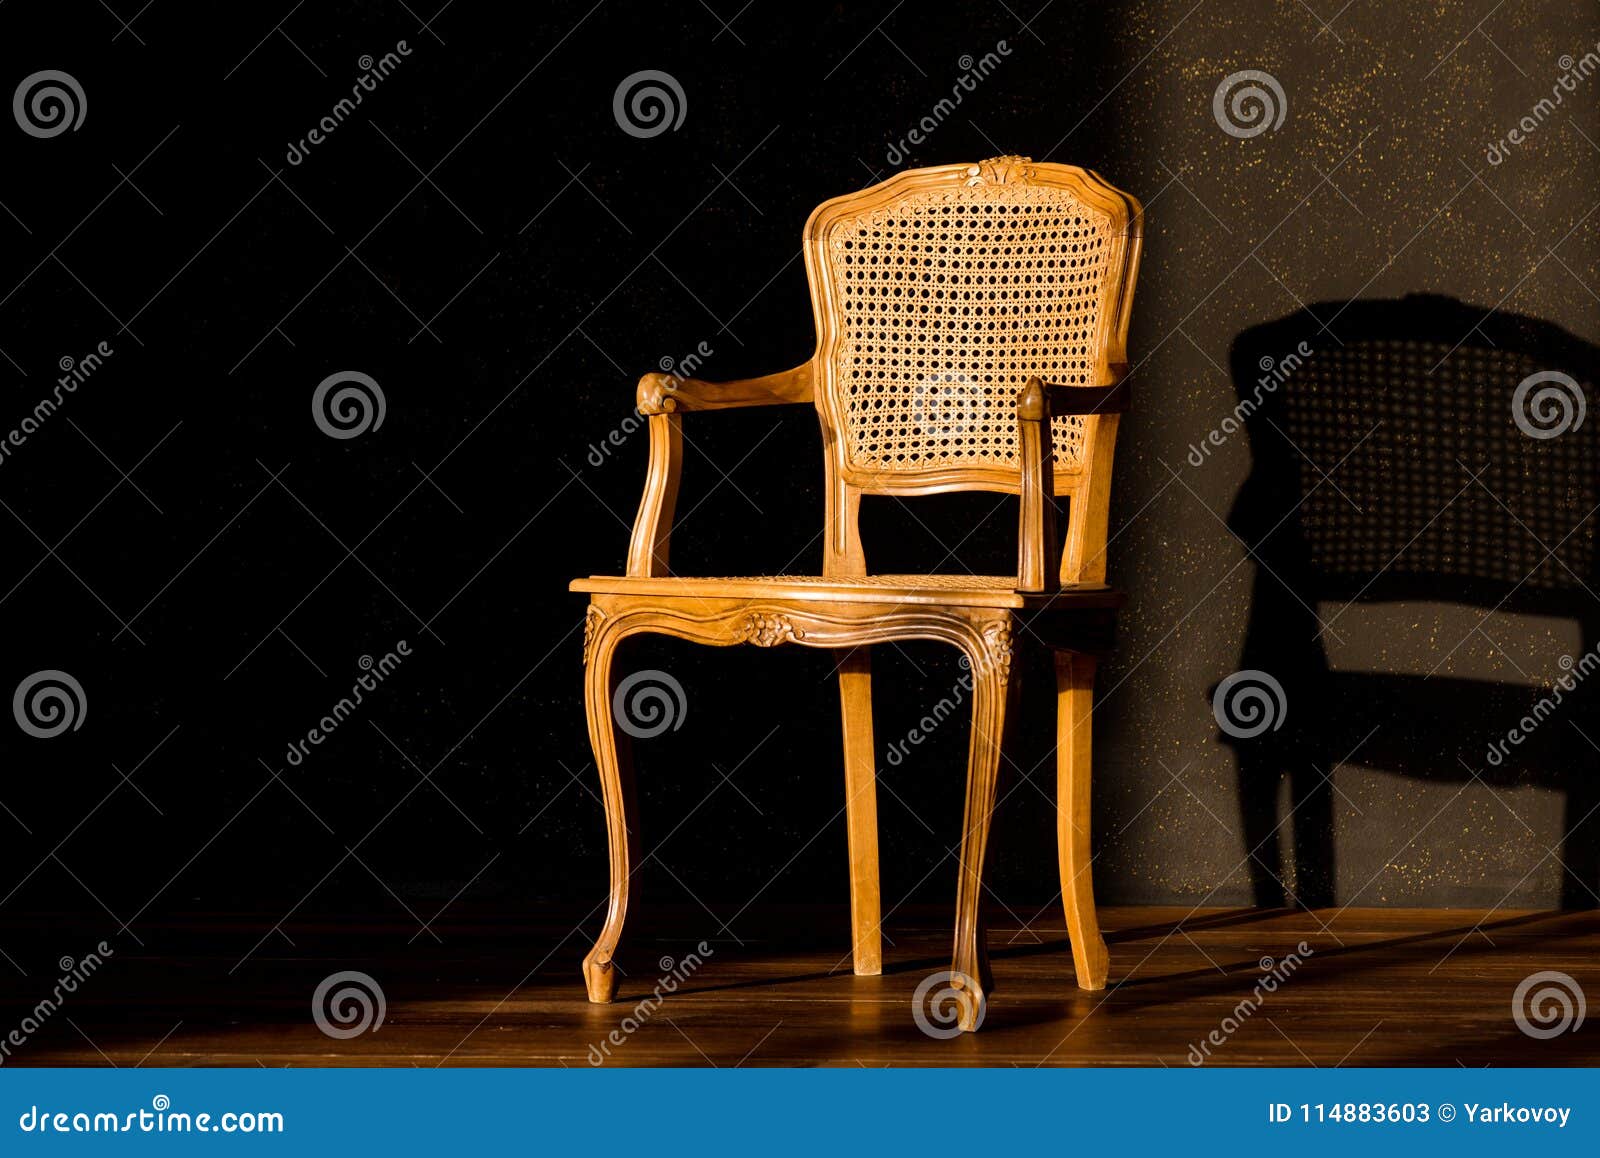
(484, 240)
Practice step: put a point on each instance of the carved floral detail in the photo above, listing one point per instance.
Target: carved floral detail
(998, 647)
(592, 618)
(768, 628)
(1001, 171)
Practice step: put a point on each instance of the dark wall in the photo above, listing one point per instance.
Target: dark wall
(483, 239)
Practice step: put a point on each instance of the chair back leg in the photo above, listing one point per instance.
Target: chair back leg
(1074, 708)
(861, 809)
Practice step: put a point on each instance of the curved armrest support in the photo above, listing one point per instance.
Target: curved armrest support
(667, 393)
(663, 399)
(1115, 397)
(1041, 567)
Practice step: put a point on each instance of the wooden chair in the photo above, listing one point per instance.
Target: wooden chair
(971, 325)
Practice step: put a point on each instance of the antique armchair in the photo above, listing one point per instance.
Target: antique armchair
(971, 323)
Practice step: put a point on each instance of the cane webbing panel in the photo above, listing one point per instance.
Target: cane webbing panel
(949, 300)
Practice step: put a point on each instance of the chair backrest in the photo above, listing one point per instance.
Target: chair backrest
(937, 294)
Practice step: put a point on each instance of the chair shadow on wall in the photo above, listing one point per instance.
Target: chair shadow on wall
(1391, 462)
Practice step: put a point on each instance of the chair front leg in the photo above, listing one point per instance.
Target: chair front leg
(991, 685)
(613, 757)
(861, 809)
(1074, 706)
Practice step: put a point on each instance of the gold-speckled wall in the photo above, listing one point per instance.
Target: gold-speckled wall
(1383, 180)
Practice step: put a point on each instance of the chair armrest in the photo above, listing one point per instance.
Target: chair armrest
(1040, 566)
(667, 393)
(1038, 549)
(663, 399)
(1115, 397)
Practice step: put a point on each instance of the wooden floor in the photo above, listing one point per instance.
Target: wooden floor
(1378, 987)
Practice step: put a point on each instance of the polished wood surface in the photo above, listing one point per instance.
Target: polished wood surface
(1380, 987)
(861, 808)
(1074, 716)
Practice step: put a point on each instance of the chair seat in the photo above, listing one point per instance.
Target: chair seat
(944, 590)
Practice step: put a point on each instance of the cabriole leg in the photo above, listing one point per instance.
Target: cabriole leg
(614, 758)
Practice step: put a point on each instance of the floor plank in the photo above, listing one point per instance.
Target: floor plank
(1370, 987)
